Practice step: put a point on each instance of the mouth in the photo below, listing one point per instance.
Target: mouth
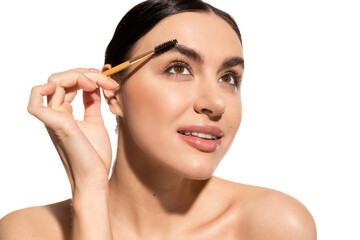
(200, 135)
(204, 138)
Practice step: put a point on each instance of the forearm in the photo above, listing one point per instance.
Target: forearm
(83, 145)
(91, 216)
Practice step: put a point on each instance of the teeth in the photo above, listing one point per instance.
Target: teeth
(200, 135)
(203, 135)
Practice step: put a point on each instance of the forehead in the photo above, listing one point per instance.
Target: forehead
(208, 33)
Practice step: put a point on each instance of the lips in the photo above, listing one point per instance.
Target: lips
(204, 138)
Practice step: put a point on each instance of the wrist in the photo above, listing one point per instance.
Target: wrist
(87, 197)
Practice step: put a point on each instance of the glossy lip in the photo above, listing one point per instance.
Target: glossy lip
(204, 145)
(207, 129)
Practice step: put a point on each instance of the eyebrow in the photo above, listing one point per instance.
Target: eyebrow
(188, 52)
(232, 62)
(195, 56)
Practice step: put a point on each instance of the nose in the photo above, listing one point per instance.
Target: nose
(210, 101)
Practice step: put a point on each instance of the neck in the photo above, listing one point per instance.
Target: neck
(146, 195)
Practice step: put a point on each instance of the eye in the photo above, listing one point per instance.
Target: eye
(230, 78)
(180, 68)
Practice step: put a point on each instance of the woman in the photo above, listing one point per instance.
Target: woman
(177, 115)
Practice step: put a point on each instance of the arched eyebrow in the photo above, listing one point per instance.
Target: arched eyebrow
(196, 57)
(188, 52)
(232, 62)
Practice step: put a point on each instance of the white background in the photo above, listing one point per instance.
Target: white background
(300, 132)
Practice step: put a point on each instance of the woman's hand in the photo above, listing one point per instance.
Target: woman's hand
(83, 146)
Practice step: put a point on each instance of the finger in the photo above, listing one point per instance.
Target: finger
(36, 101)
(68, 80)
(97, 76)
(92, 105)
(94, 76)
(70, 94)
(52, 119)
(101, 80)
(55, 100)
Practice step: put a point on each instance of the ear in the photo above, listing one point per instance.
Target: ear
(113, 98)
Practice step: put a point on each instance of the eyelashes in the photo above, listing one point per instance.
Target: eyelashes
(182, 69)
(178, 68)
(231, 78)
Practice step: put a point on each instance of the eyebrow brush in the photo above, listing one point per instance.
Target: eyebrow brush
(157, 50)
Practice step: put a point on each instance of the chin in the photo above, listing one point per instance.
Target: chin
(199, 169)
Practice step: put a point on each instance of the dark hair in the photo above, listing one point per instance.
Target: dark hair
(144, 16)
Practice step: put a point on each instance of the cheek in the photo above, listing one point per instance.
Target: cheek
(236, 113)
(151, 109)
(233, 117)
(155, 102)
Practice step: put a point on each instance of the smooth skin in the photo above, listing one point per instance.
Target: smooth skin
(161, 187)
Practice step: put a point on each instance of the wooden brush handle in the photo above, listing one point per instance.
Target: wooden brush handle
(117, 68)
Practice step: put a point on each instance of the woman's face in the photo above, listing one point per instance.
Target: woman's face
(183, 107)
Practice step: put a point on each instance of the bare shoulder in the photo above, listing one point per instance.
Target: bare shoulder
(42, 222)
(280, 216)
(270, 214)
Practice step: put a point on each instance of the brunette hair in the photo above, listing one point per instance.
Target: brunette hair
(144, 16)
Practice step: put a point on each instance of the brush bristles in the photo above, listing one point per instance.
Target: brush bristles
(165, 46)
